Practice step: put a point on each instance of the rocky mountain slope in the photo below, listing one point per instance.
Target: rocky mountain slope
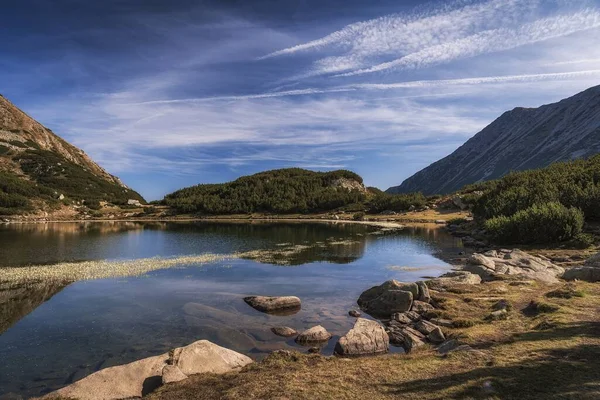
(521, 139)
(38, 168)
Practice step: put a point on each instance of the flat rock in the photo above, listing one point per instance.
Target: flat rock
(284, 331)
(409, 338)
(274, 305)
(315, 334)
(425, 327)
(446, 323)
(140, 377)
(464, 277)
(366, 338)
(513, 262)
(448, 346)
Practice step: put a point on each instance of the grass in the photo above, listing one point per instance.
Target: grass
(526, 356)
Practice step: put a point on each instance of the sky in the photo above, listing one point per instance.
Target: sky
(167, 94)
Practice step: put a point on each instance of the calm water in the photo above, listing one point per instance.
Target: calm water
(54, 333)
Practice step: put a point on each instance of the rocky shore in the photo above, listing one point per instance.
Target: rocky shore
(482, 310)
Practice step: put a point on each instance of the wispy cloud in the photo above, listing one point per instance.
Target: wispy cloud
(555, 76)
(457, 31)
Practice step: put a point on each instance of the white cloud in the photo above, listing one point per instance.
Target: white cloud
(460, 30)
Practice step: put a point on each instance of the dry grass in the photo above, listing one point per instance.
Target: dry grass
(526, 356)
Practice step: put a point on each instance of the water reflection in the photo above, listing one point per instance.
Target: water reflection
(59, 331)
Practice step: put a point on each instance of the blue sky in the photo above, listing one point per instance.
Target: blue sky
(170, 94)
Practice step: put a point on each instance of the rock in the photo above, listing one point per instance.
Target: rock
(366, 338)
(140, 377)
(446, 323)
(448, 346)
(389, 298)
(172, 373)
(402, 318)
(589, 272)
(425, 327)
(421, 306)
(498, 315)
(61, 197)
(423, 292)
(501, 305)
(413, 315)
(314, 350)
(284, 331)
(410, 339)
(315, 334)
(513, 262)
(458, 202)
(354, 313)
(440, 222)
(274, 305)
(436, 336)
(133, 202)
(465, 277)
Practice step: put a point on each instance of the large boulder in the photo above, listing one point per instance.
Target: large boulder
(589, 272)
(513, 262)
(141, 377)
(274, 305)
(388, 298)
(316, 334)
(366, 338)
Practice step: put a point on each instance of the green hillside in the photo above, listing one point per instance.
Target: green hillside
(539, 206)
(292, 190)
(47, 176)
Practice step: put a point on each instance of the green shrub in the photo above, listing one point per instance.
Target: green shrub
(359, 216)
(396, 202)
(457, 221)
(573, 184)
(583, 241)
(546, 223)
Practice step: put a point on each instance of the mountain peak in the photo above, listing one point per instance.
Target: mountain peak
(520, 139)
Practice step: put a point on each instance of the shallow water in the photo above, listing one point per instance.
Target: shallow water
(56, 331)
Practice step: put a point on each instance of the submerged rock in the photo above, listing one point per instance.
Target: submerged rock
(366, 338)
(315, 334)
(141, 377)
(354, 313)
(388, 298)
(284, 331)
(274, 305)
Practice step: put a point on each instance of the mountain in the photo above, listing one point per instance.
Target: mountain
(521, 139)
(291, 190)
(38, 168)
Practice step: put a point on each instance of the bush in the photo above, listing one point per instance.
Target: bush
(546, 223)
(583, 241)
(396, 202)
(359, 216)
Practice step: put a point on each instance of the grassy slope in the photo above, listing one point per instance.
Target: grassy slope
(517, 358)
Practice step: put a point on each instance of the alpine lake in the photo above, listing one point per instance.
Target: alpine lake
(79, 297)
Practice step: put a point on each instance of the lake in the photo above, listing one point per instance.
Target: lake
(78, 297)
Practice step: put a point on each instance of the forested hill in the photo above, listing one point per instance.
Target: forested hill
(292, 190)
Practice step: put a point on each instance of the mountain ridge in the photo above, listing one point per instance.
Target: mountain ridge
(520, 139)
